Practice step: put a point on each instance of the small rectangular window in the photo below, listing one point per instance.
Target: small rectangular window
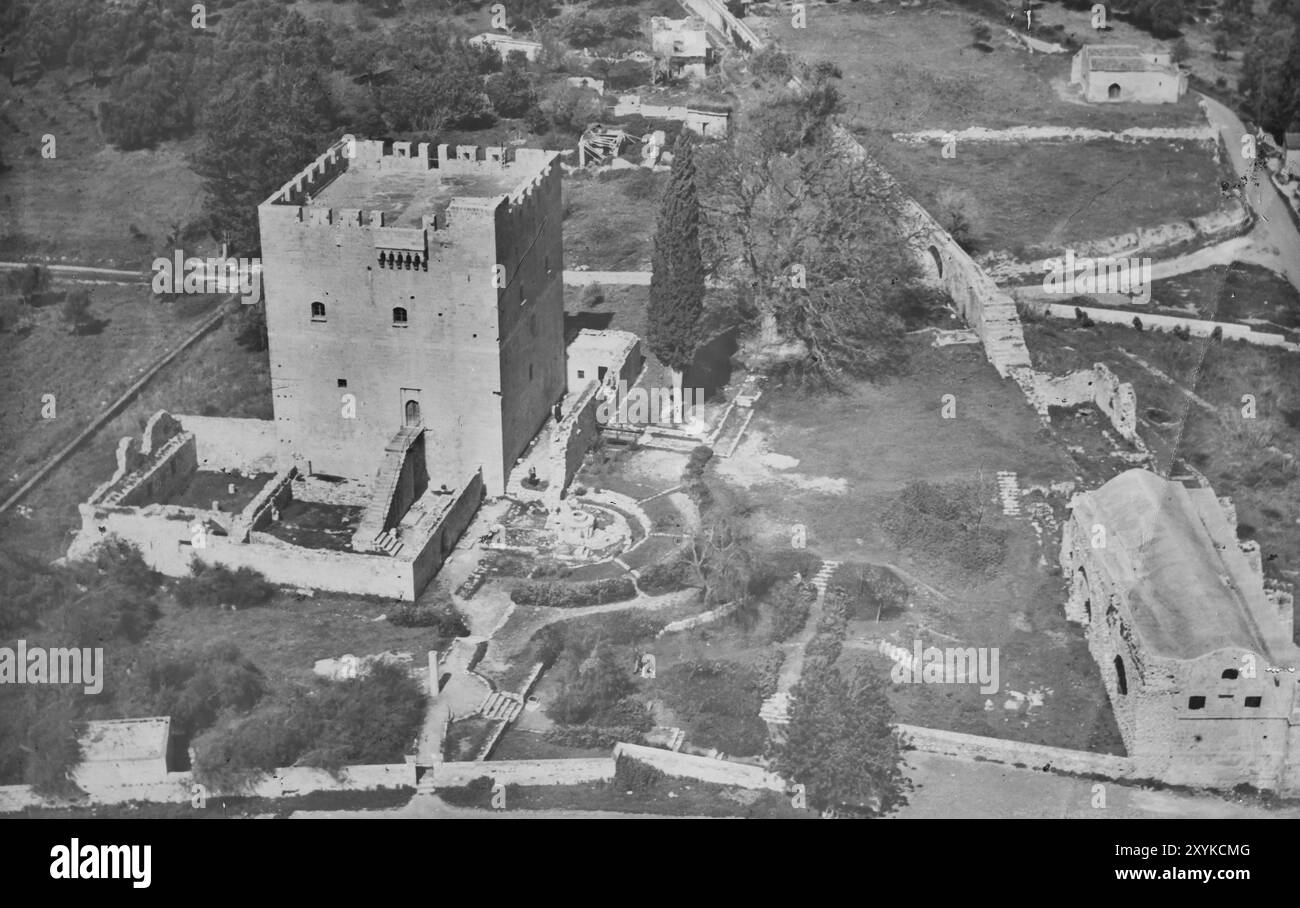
(581, 374)
(343, 382)
(1196, 703)
(1254, 702)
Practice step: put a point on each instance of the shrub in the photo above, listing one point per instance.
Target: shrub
(121, 562)
(775, 565)
(871, 591)
(593, 737)
(790, 604)
(665, 577)
(719, 700)
(76, 308)
(557, 594)
(945, 521)
(28, 281)
(251, 332)
(442, 618)
(640, 185)
(195, 688)
(107, 612)
(771, 63)
(593, 688)
(592, 295)
(214, 585)
(767, 672)
(373, 719)
(475, 793)
(634, 776)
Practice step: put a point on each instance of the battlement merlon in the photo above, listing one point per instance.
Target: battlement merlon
(299, 200)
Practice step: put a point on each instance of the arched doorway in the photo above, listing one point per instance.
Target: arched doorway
(1112, 93)
(1081, 591)
(1121, 679)
(412, 412)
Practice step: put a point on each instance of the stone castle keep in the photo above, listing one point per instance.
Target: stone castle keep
(407, 290)
(415, 315)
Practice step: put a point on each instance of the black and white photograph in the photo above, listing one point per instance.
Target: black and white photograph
(651, 409)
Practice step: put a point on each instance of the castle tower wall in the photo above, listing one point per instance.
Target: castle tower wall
(477, 364)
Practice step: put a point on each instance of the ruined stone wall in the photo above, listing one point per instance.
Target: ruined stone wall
(1098, 386)
(447, 532)
(276, 494)
(704, 769)
(525, 772)
(1198, 327)
(1030, 756)
(716, 14)
(570, 441)
(290, 565)
(161, 532)
(985, 306)
(168, 472)
(412, 482)
(232, 444)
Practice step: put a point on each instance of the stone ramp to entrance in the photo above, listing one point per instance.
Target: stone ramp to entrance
(378, 516)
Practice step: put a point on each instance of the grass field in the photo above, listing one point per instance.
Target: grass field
(905, 70)
(215, 377)
(917, 69)
(84, 372)
(835, 463)
(1053, 193)
(604, 228)
(1236, 292)
(287, 636)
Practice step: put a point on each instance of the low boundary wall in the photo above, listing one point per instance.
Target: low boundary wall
(1017, 753)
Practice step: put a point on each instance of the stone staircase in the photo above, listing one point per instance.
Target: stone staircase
(823, 577)
(1009, 493)
(776, 709)
(370, 533)
(387, 543)
(502, 705)
(731, 430)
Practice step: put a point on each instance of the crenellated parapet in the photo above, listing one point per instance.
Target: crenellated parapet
(492, 176)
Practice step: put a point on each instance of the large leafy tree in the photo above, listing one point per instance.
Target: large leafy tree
(804, 233)
(841, 743)
(677, 281)
(1270, 77)
(257, 135)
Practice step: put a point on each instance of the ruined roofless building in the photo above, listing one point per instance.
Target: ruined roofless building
(1196, 656)
(409, 288)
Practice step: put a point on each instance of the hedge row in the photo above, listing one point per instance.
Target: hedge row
(553, 594)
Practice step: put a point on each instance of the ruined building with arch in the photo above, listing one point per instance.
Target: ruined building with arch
(1196, 655)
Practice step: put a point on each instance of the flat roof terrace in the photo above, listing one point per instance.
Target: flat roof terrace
(405, 196)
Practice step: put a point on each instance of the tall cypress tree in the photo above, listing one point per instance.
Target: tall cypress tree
(677, 282)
